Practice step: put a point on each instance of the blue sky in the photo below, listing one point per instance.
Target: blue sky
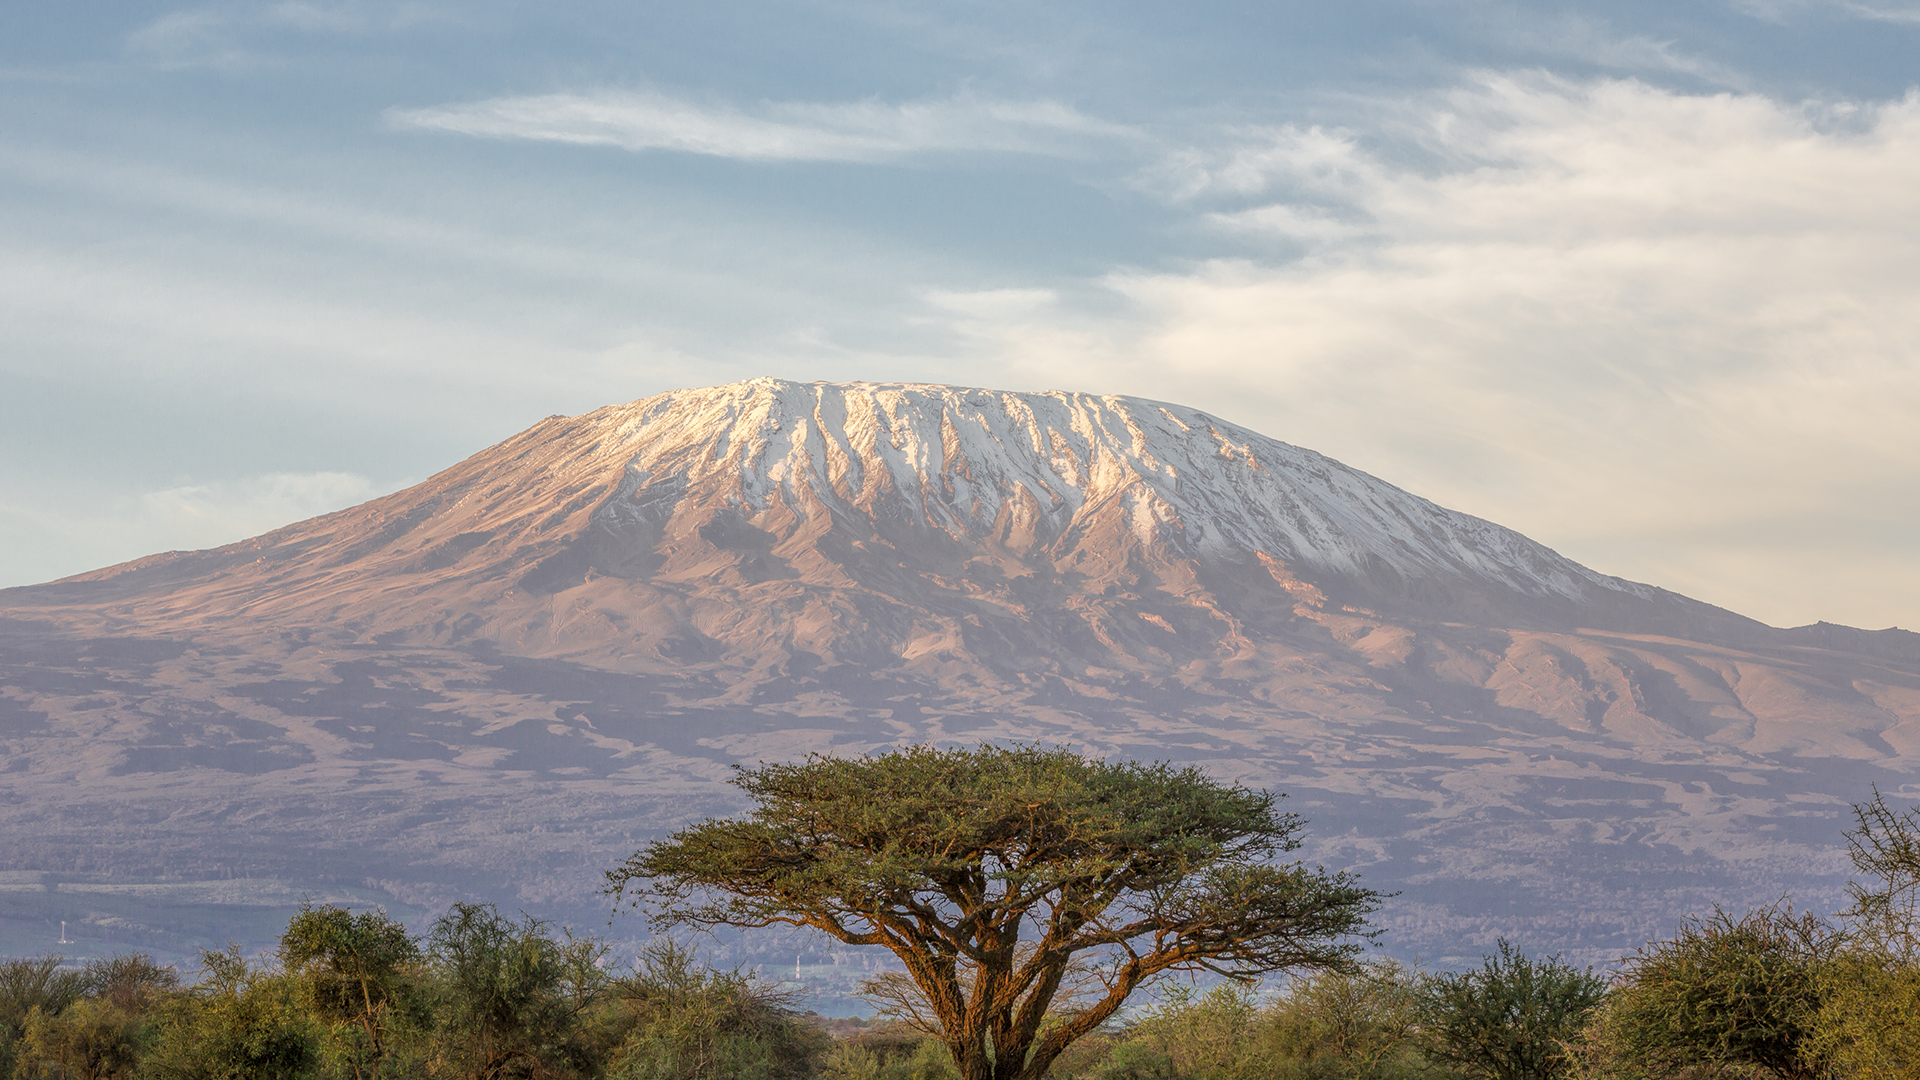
(1640, 280)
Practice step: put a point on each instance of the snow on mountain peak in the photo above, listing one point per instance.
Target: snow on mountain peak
(1034, 471)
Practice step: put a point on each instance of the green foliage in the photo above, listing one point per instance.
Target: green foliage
(1770, 994)
(1868, 1027)
(1885, 849)
(947, 856)
(130, 982)
(1133, 1059)
(356, 974)
(671, 1019)
(1334, 1025)
(921, 1059)
(507, 996)
(1725, 992)
(239, 1023)
(37, 983)
(89, 1024)
(1507, 1019)
(28, 986)
(91, 1039)
(1205, 1036)
(1345, 1025)
(1868, 1024)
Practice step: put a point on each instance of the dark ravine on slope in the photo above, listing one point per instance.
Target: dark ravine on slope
(497, 682)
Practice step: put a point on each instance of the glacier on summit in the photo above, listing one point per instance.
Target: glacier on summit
(1028, 470)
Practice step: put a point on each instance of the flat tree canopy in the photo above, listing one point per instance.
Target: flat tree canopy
(950, 857)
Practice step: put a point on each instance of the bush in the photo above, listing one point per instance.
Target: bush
(92, 1024)
(1868, 1024)
(239, 1023)
(1509, 1019)
(27, 986)
(1188, 1035)
(36, 983)
(91, 1039)
(1345, 1025)
(130, 982)
(1885, 849)
(1725, 993)
(357, 977)
(508, 996)
(921, 1058)
(671, 1019)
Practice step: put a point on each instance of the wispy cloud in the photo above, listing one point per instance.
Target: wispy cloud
(190, 517)
(210, 514)
(199, 36)
(993, 305)
(1577, 36)
(1249, 160)
(227, 35)
(1896, 13)
(1780, 11)
(862, 131)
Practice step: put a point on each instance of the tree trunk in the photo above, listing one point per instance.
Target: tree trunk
(973, 1062)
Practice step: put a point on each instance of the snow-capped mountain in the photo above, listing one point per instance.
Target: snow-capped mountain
(604, 611)
(1040, 473)
(929, 501)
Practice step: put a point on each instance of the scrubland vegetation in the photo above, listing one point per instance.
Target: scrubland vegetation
(1770, 994)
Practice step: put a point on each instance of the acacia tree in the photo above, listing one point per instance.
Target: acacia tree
(955, 858)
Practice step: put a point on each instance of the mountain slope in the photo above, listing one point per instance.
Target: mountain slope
(927, 501)
(589, 622)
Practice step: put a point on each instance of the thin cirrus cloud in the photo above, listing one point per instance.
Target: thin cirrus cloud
(1592, 40)
(230, 36)
(206, 515)
(1882, 13)
(1780, 11)
(197, 37)
(181, 518)
(863, 131)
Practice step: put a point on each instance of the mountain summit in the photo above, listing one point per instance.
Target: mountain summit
(771, 521)
(491, 682)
